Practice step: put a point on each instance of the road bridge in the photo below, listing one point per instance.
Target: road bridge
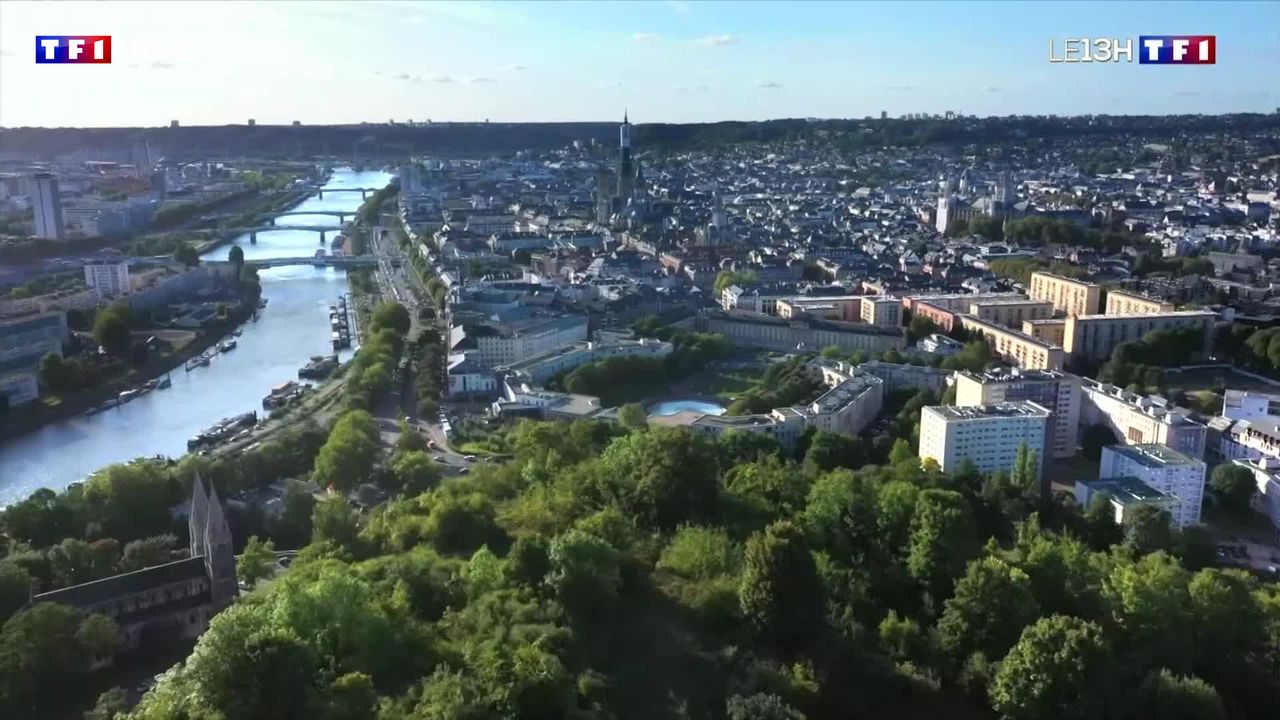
(335, 261)
(364, 192)
(252, 232)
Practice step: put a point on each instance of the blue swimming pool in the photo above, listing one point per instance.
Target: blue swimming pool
(671, 407)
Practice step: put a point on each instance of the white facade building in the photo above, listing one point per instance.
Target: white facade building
(988, 435)
(108, 280)
(1054, 389)
(1139, 420)
(47, 206)
(1171, 472)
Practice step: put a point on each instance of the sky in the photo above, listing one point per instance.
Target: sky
(211, 63)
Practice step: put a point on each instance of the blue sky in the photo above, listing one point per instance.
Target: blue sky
(323, 62)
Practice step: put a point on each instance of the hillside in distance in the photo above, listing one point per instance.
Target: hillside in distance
(377, 141)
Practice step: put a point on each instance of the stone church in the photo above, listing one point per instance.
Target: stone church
(169, 602)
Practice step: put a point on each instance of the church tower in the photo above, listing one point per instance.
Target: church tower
(604, 199)
(219, 559)
(626, 168)
(211, 540)
(946, 203)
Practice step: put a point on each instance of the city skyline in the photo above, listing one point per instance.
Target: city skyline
(339, 62)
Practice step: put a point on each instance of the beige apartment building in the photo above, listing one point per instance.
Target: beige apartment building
(1050, 330)
(1070, 297)
(1014, 346)
(1095, 336)
(1011, 313)
(1055, 390)
(1123, 303)
(882, 311)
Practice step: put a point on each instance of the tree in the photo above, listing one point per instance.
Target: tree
(392, 315)
(346, 459)
(1060, 669)
(780, 593)
(1150, 611)
(829, 450)
(46, 649)
(901, 453)
(1233, 488)
(112, 333)
(666, 475)
(236, 257)
(256, 562)
(110, 703)
(333, 520)
(584, 571)
(15, 588)
(415, 472)
(1147, 528)
(1025, 473)
(54, 373)
(187, 255)
(760, 706)
(1165, 696)
(633, 415)
(992, 603)
(147, 552)
(943, 539)
(1227, 621)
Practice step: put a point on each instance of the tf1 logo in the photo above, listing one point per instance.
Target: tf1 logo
(1150, 50)
(82, 49)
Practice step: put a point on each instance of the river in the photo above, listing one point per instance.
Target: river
(293, 327)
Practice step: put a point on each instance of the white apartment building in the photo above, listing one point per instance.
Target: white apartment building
(1246, 405)
(1139, 420)
(988, 435)
(1161, 468)
(47, 206)
(1053, 389)
(1266, 473)
(1126, 494)
(495, 344)
(107, 280)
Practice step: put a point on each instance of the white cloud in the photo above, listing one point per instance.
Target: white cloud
(680, 7)
(440, 78)
(900, 88)
(161, 65)
(477, 80)
(513, 68)
(769, 84)
(991, 88)
(608, 84)
(646, 38)
(716, 40)
(403, 76)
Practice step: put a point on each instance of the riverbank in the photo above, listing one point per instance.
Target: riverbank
(288, 201)
(42, 412)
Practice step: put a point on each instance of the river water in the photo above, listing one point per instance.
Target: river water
(293, 327)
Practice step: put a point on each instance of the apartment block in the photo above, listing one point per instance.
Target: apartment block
(945, 319)
(1161, 468)
(1069, 297)
(1014, 346)
(1094, 337)
(1120, 302)
(1139, 420)
(1053, 389)
(847, 308)
(1126, 494)
(1011, 313)
(882, 311)
(107, 280)
(1050, 330)
(955, 302)
(988, 435)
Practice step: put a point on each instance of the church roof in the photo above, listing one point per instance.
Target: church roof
(90, 594)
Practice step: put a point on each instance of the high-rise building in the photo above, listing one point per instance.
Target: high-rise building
(1058, 391)
(107, 280)
(626, 166)
(1069, 296)
(47, 206)
(1162, 468)
(987, 435)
